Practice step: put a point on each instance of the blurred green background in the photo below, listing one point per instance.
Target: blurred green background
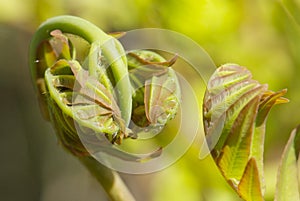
(261, 35)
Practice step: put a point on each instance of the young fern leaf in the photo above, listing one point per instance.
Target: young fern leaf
(78, 100)
(288, 177)
(157, 91)
(235, 155)
(235, 109)
(78, 96)
(88, 99)
(111, 50)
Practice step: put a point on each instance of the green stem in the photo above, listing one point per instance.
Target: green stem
(109, 179)
(112, 51)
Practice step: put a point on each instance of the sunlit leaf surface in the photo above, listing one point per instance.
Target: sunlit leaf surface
(249, 187)
(235, 109)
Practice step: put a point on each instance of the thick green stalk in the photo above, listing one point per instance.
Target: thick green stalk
(109, 179)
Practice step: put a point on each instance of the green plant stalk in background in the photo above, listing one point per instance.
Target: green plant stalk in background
(109, 180)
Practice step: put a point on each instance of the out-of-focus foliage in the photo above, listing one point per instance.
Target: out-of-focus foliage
(261, 35)
(288, 184)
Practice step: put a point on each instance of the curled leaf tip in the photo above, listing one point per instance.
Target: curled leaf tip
(117, 34)
(157, 91)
